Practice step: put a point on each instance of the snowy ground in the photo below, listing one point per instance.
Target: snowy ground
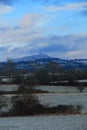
(54, 89)
(64, 99)
(8, 88)
(54, 99)
(44, 123)
(59, 89)
(58, 95)
(75, 122)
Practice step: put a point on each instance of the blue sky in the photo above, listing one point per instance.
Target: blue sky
(54, 27)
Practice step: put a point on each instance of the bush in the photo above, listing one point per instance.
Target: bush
(80, 88)
(29, 105)
(25, 105)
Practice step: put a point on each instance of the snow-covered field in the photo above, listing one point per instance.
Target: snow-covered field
(54, 89)
(64, 99)
(59, 95)
(8, 87)
(54, 99)
(60, 89)
(44, 123)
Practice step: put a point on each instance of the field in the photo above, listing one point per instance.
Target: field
(60, 89)
(64, 99)
(56, 96)
(44, 123)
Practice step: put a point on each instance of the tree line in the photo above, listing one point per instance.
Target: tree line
(52, 72)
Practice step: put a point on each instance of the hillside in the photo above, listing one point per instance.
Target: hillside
(40, 60)
(33, 57)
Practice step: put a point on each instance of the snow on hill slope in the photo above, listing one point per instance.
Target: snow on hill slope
(33, 57)
(84, 61)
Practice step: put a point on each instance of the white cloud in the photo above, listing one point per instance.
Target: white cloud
(27, 37)
(74, 54)
(4, 9)
(82, 53)
(27, 30)
(31, 19)
(71, 46)
(71, 6)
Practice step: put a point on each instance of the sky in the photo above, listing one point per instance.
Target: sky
(57, 28)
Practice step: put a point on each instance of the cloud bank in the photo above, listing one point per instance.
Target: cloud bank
(4, 9)
(70, 46)
(29, 36)
(70, 6)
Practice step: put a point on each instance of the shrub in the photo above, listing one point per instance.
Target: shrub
(25, 105)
